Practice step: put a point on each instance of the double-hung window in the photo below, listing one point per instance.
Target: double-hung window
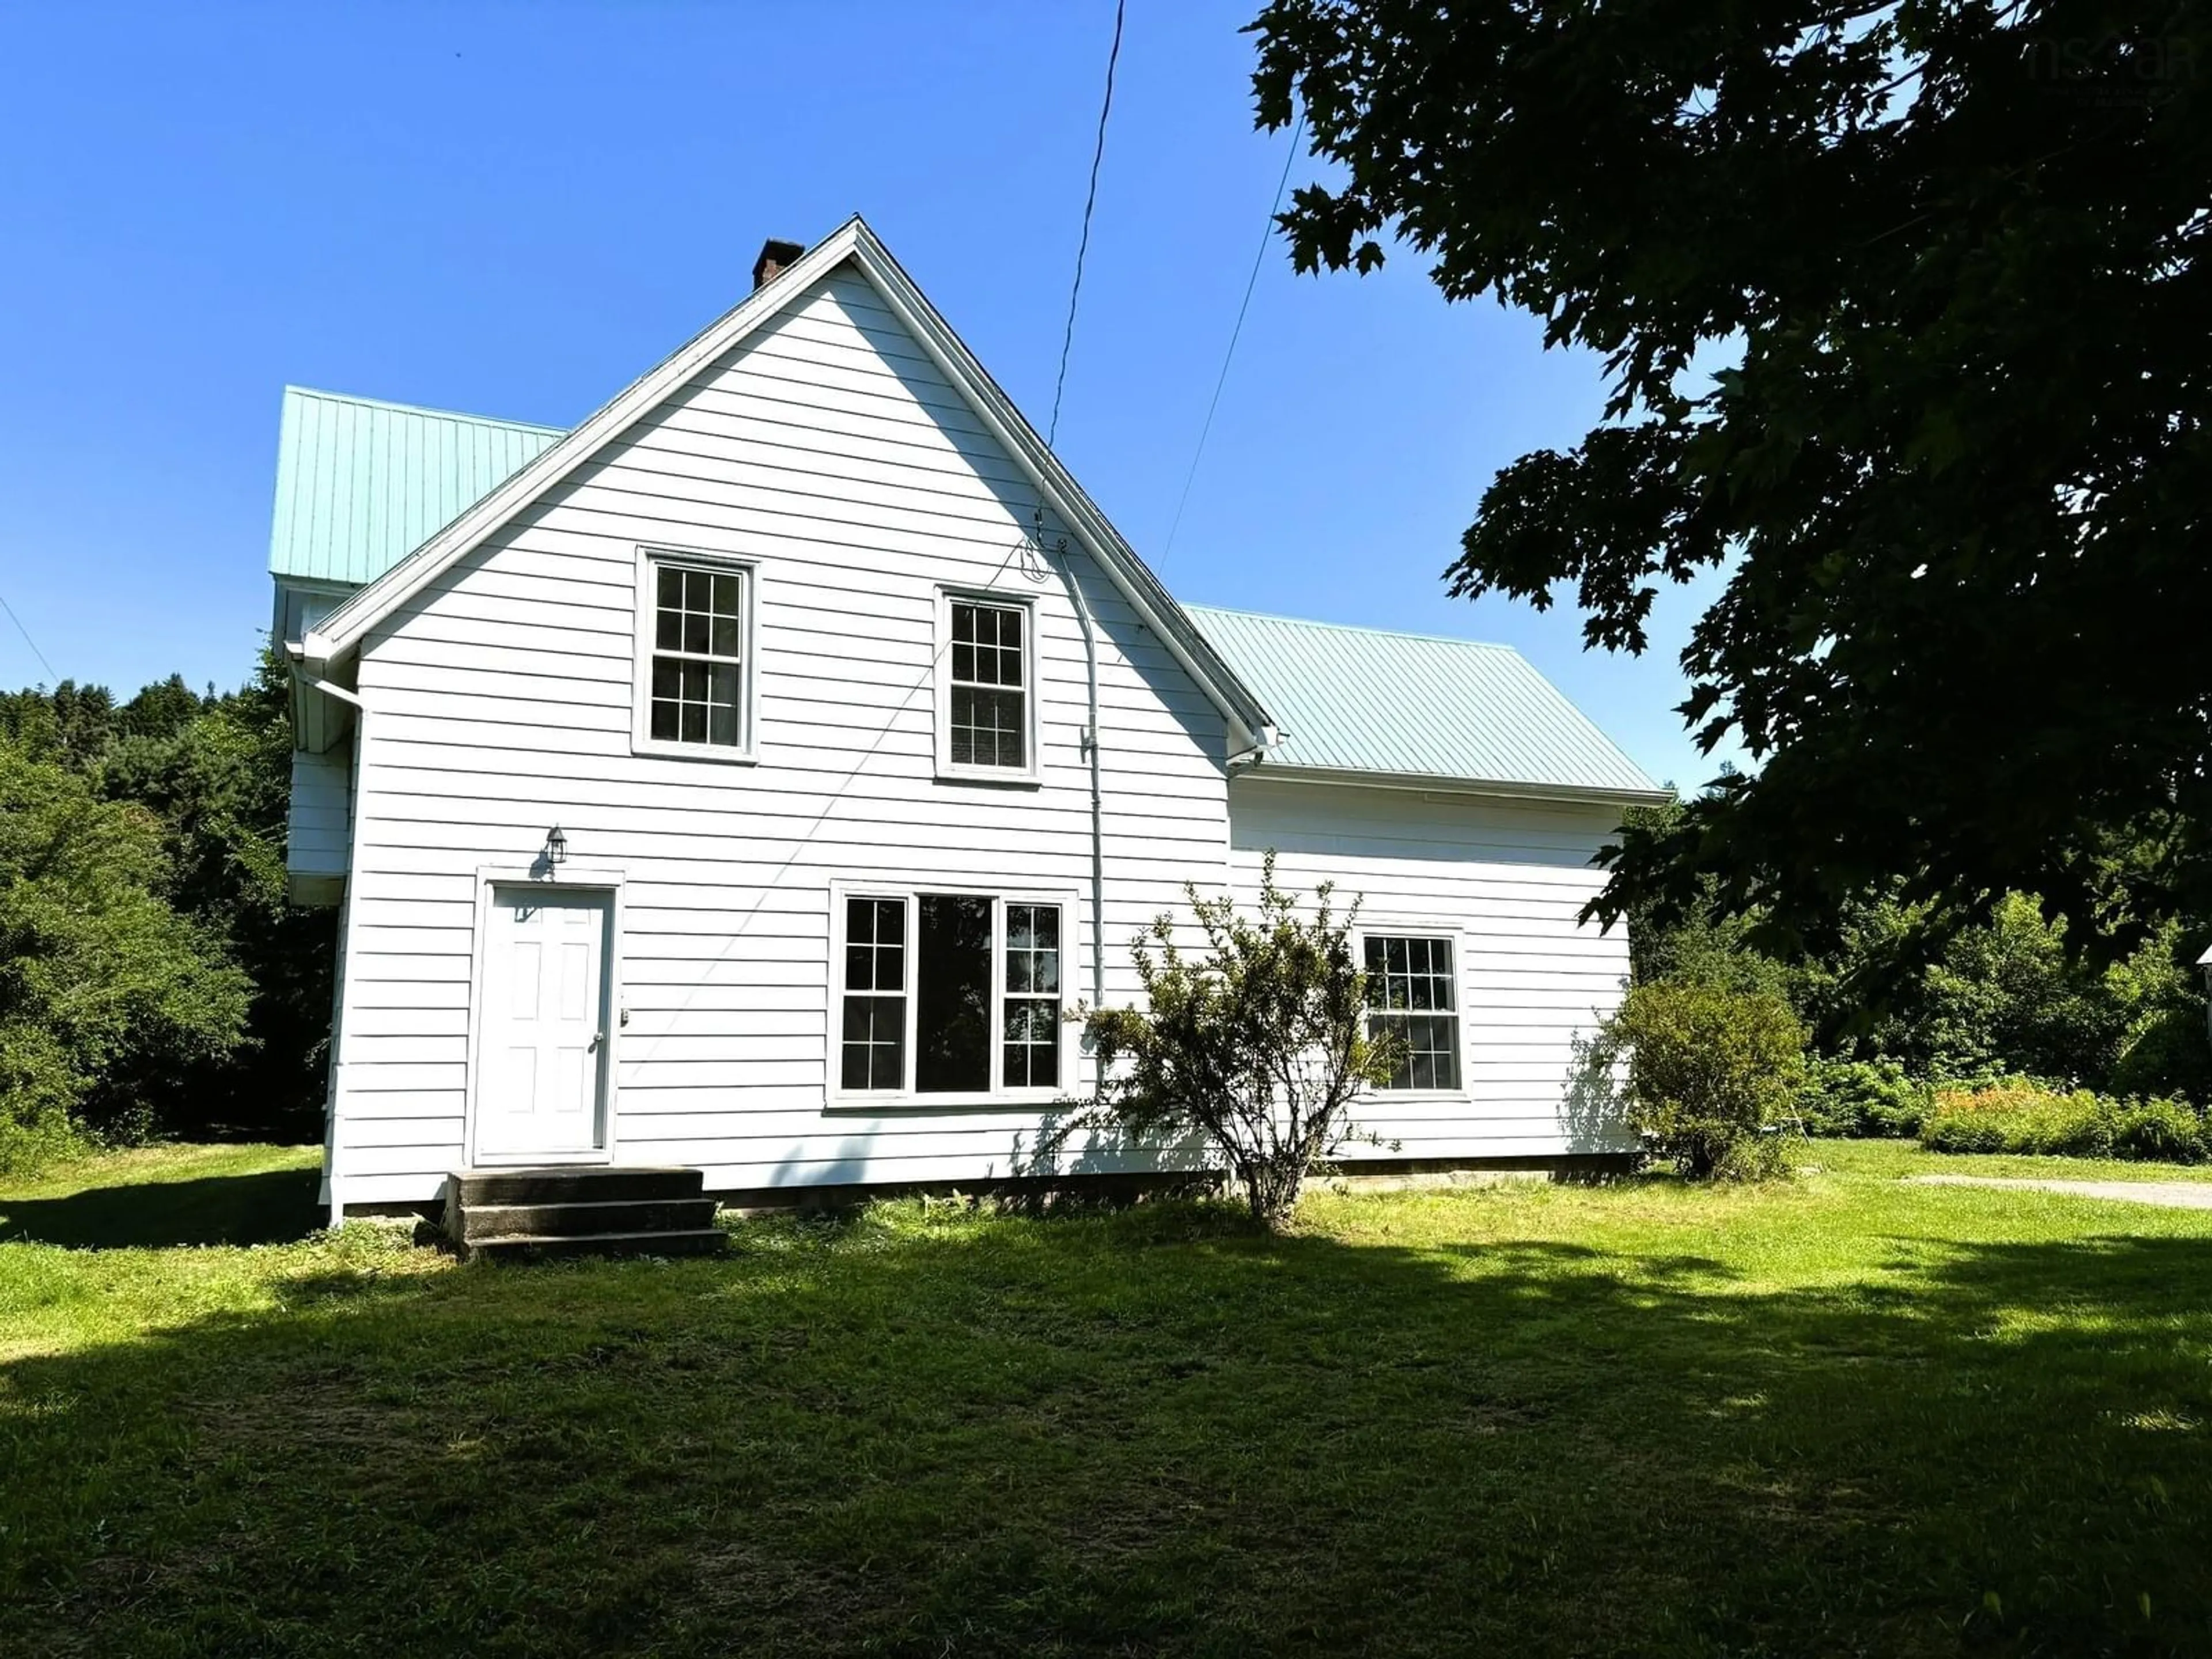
(695, 655)
(986, 711)
(1031, 1054)
(1412, 992)
(950, 994)
(874, 1052)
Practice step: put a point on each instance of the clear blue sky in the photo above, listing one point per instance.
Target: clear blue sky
(513, 210)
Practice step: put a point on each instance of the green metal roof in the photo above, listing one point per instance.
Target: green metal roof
(1415, 705)
(361, 483)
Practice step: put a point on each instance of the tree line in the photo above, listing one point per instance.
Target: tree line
(2022, 993)
(153, 979)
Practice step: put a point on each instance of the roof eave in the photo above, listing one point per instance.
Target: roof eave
(344, 627)
(1508, 788)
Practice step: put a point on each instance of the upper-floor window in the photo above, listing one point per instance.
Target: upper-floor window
(986, 716)
(1412, 991)
(695, 648)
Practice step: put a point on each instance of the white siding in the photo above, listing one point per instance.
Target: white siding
(321, 827)
(1504, 880)
(827, 448)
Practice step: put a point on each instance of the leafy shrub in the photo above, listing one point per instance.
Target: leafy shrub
(1257, 1046)
(2020, 1116)
(2166, 1050)
(1861, 1098)
(2162, 1129)
(1712, 1074)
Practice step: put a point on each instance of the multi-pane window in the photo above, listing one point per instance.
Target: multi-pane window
(696, 682)
(1410, 992)
(950, 993)
(988, 712)
(1032, 1000)
(875, 993)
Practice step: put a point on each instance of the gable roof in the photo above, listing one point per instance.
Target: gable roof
(361, 483)
(1412, 706)
(340, 632)
(389, 495)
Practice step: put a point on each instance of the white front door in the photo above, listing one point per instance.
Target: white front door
(544, 1054)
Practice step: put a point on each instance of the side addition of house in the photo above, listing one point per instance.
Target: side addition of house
(754, 777)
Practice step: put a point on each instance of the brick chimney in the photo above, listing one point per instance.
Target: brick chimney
(775, 256)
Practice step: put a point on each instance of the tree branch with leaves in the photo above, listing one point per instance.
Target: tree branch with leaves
(1901, 312)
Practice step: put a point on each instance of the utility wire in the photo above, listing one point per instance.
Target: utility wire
(29, 641)
(1097, 155)
(1266, 234)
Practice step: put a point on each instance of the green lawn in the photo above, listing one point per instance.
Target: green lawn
(1843, 1414)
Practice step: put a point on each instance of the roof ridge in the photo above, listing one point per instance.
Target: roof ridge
(360, 402)
(1355, 628)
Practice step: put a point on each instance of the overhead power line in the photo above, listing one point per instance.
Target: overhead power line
(29, 641)
(1090, 201)
(1267, 233)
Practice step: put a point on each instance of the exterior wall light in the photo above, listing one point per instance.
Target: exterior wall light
(556, 847)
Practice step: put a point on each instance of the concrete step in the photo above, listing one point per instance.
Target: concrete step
(647, 1215)
(561, 1184)
(527, 1247)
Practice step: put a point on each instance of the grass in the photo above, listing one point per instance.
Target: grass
(1899, 1158)
(1843, 1414)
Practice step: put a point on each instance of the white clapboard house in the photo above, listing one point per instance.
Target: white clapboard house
(753, 777)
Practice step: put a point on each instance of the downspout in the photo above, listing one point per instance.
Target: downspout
(1097, 797)
(352, 901)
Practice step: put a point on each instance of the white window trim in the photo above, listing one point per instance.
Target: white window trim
(1026, 603)
(906, 1098)
(1388, 927)
(642, 742)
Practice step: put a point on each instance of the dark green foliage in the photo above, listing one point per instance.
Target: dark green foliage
(2022, 1116)
(1712, 1074)
(1861, 1099)
(106, 991)
(1946, 262)
(207, 780)
(2162, 1130)
(70, 725)
(2010, 994)
(220, 782)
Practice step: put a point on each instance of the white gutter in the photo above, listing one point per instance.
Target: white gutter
(1268, 738)
(1090, 745)
(1428, 783)
(350, 933)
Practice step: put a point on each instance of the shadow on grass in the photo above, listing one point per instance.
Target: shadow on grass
(269, 1207)
(1144, 1433)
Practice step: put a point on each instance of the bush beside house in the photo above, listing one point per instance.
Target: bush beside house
(1256, 1045)
(1713, 1072)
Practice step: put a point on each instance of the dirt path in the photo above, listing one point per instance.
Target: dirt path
(2168, 1194)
